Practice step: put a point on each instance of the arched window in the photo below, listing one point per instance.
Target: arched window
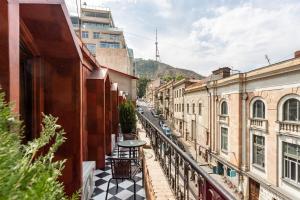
(224, 108)
(291, 110)
(258, 109)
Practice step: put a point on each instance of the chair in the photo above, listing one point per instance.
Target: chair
(121, 169)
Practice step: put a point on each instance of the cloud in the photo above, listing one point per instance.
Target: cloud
(242, 36)
(205, 35)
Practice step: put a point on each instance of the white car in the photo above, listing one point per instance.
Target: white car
(140, 110)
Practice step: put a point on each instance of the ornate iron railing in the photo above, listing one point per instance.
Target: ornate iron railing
(186, 178)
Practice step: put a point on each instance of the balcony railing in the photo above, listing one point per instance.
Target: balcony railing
(259, 124)
(186, 178)
(289, 126)
(224, 119)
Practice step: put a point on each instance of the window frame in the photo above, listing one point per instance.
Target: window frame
(221, 110)
(255, 146)
(255, 109)
(85, 34)
(222, 141)
(286, 113)
(287, 160)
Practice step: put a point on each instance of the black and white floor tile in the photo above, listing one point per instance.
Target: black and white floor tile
(125, 190)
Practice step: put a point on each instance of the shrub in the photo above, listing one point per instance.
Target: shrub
(25, 173)
(127, 117)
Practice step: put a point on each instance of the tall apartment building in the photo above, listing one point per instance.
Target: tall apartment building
(106, 42)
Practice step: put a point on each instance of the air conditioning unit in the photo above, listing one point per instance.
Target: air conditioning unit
(88, 170)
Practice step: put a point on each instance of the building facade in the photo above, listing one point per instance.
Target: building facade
(246, 127)
(106, 42)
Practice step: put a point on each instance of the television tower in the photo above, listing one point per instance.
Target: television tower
(157, 57)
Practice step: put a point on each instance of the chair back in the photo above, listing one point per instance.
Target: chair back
(121, 168)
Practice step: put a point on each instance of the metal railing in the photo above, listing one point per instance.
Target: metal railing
(186, 178)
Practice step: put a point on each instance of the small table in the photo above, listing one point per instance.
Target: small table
(131, 144)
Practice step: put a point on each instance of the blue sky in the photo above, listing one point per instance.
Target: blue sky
(203, 35)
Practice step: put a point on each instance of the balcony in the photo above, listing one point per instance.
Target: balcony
(224, 119)
(259, 124)
(186, 178)
(289, 127)
(167, 96)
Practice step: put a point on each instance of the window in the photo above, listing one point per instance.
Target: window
(91, 48)
(291, 162)
(259, 109)
(179, 107)
(224, 139)
(187, 108)
(224, 108)
(182, 106)
(85, 34)
(259, 150)
(96, 35)
(193, 108)
(179, 92)
(200, 109)
(113, 45)
(291, 110)
(95, 25)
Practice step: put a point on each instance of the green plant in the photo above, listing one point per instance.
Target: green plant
(127, 117)
(142, 85)
(25, 172)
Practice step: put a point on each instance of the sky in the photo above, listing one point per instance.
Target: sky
(203, 35)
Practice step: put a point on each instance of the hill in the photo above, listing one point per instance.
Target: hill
(152, 70)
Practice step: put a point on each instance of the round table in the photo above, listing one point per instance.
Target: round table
(131, 144)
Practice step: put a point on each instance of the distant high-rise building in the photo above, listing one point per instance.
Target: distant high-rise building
(106, 42)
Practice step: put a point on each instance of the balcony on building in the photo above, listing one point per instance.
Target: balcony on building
(258, 124)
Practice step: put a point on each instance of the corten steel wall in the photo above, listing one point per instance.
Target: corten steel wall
(9, 48)
(108, 149)
(115, 114)
(60, 82)
(62, 99)
(96, 120)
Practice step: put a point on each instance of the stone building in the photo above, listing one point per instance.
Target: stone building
(246, 127)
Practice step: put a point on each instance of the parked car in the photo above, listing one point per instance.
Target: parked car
(161, 123)
(166, 129)
(140, 110)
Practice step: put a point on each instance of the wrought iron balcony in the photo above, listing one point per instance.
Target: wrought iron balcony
(186, 178)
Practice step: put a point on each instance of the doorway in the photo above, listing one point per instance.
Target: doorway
(253, 189)
(26, 92)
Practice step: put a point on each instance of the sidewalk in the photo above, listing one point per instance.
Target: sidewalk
(156, 183)
(190, 149)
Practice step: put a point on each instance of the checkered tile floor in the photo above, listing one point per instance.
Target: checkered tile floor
(125, 189)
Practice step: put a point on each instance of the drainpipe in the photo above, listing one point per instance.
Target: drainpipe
(209, 116)
(244, 124)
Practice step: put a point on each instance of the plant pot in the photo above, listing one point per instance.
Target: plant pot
(129, 136)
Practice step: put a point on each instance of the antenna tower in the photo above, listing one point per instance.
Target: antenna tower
(157, 57)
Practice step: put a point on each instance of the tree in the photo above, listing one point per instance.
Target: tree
(142, 84)
(127, 117)
(179, 77)
(168, 78)
(26, 170)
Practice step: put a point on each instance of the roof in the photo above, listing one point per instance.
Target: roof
(122, 73)
(50, 21)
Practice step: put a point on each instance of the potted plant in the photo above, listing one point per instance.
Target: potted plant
(127, 120)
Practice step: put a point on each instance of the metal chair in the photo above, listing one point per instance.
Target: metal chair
(123, 169)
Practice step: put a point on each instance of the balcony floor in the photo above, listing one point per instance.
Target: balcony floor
(125, 190)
